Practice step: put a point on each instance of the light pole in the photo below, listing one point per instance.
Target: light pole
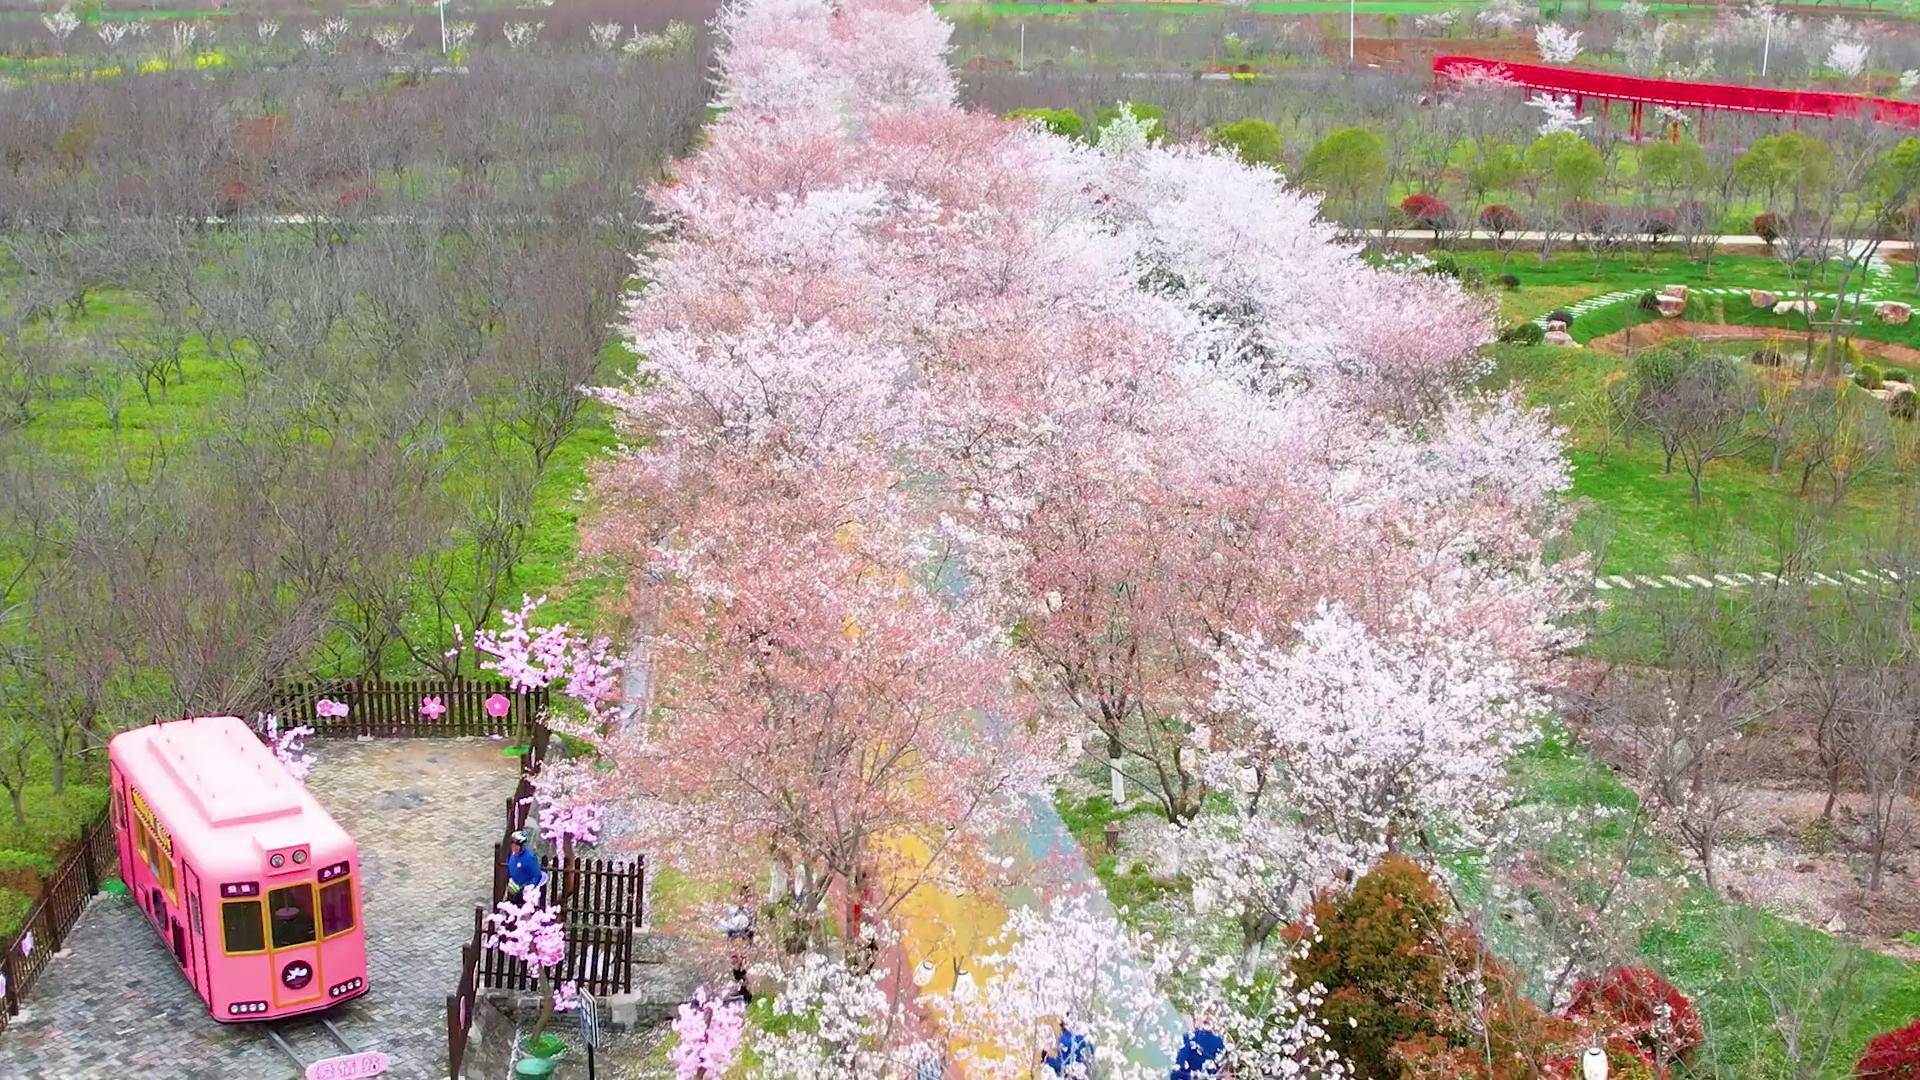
(1766, 45)
(441, 6)
(1350, 6)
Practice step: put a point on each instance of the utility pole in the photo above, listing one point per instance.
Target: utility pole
(1766, 46)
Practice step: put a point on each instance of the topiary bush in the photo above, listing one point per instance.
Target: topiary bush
(1062, 122)
(1524, 333)
(1767, 227)
(1509, 281)
(1897, 374)
(1561, 315)
(1424, 211)
(1892, 1055)
(1500, 218)
(1643, 1006)
(1868, 377)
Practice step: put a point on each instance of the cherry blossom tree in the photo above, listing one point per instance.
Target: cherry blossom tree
(709, 1032)
(841, 1024)
(1557, 44)
(1354, 742)
(530, 931)
(287, 743)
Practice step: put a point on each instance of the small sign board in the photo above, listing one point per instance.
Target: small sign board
(349, 1066)
(589, 1018)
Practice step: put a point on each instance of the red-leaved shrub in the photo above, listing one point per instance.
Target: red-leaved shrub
(1892, 1055)
(1425, 211)
(1638, 1003)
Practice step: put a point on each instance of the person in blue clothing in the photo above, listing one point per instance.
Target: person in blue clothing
(1074, 1055)
(523, 868)
(1200, 1053)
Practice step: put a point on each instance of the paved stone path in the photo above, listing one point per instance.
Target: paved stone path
(426, 813)
(1840, 578)
(1881, 281)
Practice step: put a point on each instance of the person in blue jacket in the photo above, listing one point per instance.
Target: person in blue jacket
(523, 867)
(1199, 1057)
(1074, 1049)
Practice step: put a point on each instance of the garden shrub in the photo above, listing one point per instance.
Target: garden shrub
(1905, 405)
(1868, 377)
(1443, 264)
(1767, 227)
(1500, 218)
(1897, 374)
(14, 908)
(23, 871)
(1658, 1017)
(1658, 222)
(1766, 357)
(1257, 142)
(1063, 122)
(1154, 114)
(1524, 333)
(1424, 211)
(1892, 1055)
(1650, 301)
(1389, 961)
(1509, 281)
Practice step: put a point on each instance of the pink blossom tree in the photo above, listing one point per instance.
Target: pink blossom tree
(709, 1032)
(531, 933)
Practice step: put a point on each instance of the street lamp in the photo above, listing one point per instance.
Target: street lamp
(441, 6)
(1350, 6)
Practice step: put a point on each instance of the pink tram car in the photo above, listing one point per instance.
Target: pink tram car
(248, 881)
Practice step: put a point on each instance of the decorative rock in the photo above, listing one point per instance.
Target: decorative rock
(1561, 338)
(1789, 307)
(1892, 311)
(1556, 325)
(1761, 298)
(1674, 290)
(1672, 306)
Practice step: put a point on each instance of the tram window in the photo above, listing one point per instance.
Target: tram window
(193, 913)
(240, 920)
(336, 907)
(292, 911)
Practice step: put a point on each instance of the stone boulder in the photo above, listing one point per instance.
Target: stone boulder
(1674, 290)
(1892, 311)
(1761, 298)
(1671, 307)
(1561, 338)
(1790, 307)
(1554, 325)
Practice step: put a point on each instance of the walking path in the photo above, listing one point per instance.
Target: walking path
(1839, 578)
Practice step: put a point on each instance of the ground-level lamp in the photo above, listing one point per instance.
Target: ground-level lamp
(1593, 1064)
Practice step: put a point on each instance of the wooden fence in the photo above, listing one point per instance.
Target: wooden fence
(390, 708)
(460, 1005)
(597, 958)
(52, 919)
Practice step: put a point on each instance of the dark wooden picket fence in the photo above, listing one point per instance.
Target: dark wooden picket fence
(390, 708)
(600, 892)
(598, 958)
(460, 1005)
(52, 919)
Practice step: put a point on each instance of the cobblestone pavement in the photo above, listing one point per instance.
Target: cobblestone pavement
(426, 813)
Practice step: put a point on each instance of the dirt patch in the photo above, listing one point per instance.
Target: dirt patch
(1419, 52)
(1646, 335)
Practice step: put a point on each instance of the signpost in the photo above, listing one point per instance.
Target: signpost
(349, 1066)
(589, 1027)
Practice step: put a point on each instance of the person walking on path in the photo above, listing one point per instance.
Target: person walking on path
(737, 924)
(523, 867)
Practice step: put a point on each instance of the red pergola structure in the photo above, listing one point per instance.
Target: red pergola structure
(1606, 87)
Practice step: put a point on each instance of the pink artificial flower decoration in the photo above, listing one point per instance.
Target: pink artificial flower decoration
(498, 706)
(26, 943)
(432, 708)
(327, 707)
(566, 996)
